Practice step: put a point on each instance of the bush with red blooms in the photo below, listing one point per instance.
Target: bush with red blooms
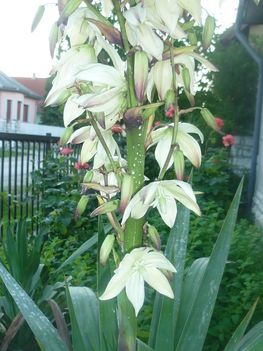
(228, 140)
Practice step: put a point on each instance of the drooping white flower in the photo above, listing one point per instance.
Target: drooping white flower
(107, 7)
(141, 33)
(193, 7)
(92, 146)
(163, 195)
(141, 264)
(187, 144)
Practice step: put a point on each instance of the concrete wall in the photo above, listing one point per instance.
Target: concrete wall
(241, 153)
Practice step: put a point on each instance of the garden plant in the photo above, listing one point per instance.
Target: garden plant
(120, 76)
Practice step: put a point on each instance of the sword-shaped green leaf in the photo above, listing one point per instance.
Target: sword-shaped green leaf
(165, 311)
(43, 330)
(232, 345)
(107, 309)
(196, 326)
(253, 340)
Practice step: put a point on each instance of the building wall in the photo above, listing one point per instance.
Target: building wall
(15, 98)
(240, 154)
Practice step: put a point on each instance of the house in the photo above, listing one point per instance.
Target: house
(17, 103)
(37, 85)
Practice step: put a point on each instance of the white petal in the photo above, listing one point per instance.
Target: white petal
(158, 281)
(135, 291)
(98, 73)
(204, 61)
(168, 212)
(88, 150)
(107, 7)
(159, 134)
(116, 284)
(190, 148)
(193, 7)
(80, 135)
(150, 85)
(149, 41)
(135, 15)
(158, 260)
(72, 110)
(162, 76)
(190, 128)
(162, 151)
(169, 12)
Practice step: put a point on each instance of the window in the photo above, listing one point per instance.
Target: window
(19, 104)
(25, 115)
(8, 110)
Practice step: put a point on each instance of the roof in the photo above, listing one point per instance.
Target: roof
(37, 85)
(10, 84)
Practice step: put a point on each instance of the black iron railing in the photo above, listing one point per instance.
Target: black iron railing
(20, 155)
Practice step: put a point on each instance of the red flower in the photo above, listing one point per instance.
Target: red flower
(219, 123)
(228, 140)
(158, 123)
(66, 151)
(116, 128)
(170, 112)
(78, 165)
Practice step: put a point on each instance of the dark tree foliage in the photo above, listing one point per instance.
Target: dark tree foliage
(232, 96)
(52, 116)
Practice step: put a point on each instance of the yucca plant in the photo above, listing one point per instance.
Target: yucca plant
(99, 88)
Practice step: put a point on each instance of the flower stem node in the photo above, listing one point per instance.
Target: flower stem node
(141, 264)
(106, 248)
(133, 118)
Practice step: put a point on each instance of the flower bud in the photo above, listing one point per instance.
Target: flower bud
(88, 177)
(154, 236)
(209, 119)
(192, 38)
(106, 207)
(208, 32)
(126, 191)
(186, 78)
(81, 206)
(162, 76)
(66, 136)
(179, 164)
(140, 74)
(53, 38)
(106, 248)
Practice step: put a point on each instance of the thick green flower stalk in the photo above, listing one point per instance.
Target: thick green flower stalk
(101, 87)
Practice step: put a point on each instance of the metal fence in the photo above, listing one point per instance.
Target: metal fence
(20, 155)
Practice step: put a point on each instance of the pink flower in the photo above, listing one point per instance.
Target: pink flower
(66, 151)
(228, 140)
(170, 112)
(158, 123)
(219, 123)
(116, 128)
(78, 165)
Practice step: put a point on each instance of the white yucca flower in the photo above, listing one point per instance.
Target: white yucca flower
(92, 147)
(140, 32)
(141, 264)
(163, 195)
(187, 144)
(107, 7)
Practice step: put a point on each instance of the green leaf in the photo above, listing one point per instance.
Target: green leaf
(53, 38)
(232, 345)
(166, 310)
(38, 16)
(107, 309)
(253, 340)
(44, 331)
(141, 346)
(191, 286)
(83, 248)
(196, 326)
(83, 311)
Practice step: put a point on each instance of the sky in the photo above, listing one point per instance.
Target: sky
(24, 54)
